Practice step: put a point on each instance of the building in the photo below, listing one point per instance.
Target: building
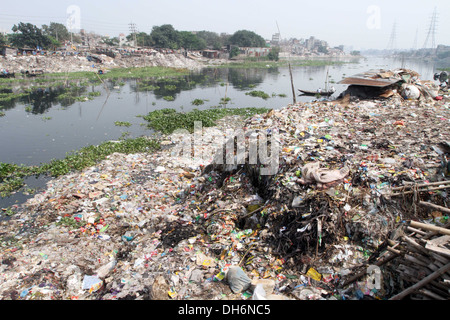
(275, 39)
(122, 40)
(211, 54)
(254, 52)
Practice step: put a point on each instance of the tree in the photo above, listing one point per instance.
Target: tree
(142, 39)
(3, 40)
(212, 39)
(57, 31)
(111, 41)
(191, 41)
(28, 35)
(234, 52)
(165, 36)
(322, 49)
(274, 54)
(245, 38)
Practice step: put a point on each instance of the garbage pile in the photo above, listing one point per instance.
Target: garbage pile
(166, 226)
(74, 63)
(401, 83)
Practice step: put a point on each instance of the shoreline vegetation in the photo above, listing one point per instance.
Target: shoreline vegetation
(164, 121)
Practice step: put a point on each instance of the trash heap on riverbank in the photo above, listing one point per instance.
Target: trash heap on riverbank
(75, 63)
(163, 226)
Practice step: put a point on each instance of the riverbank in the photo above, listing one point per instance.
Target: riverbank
(79, 63)
(162, 226)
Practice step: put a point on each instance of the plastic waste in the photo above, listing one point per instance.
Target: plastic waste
(259, 293)
(237, 279)
(410, 92)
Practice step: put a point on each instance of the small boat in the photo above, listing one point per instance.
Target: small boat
(314, 93)
(326, 93)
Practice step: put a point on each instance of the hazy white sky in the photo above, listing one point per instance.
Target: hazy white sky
(362, 24)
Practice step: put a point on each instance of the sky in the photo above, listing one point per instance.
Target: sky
(359, 24)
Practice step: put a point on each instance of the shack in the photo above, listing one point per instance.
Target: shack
(7, 50)
(254, 51)
(377, 83)
(211, 54)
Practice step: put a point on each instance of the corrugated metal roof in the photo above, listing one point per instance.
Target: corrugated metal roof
(377, 78)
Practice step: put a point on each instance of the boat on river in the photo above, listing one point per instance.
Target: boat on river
(325, 93)
(318, 92)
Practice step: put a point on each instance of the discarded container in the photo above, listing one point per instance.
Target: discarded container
(410, 92)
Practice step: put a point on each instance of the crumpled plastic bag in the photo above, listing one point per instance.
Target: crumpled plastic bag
(238, 279)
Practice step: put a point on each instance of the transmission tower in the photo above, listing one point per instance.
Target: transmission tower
(432, 31)
(133, 31)
(392, 44)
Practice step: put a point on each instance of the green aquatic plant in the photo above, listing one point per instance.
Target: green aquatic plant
(224, 101)
(258, 93)
(168, 98)
(197, 102)
(122, 123)
(168, 120)
(11, 175)
(94, 93)
(170, 87)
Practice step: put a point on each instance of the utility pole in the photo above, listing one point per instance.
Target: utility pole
(133, 32)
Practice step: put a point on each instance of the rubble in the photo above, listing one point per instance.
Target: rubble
(78, 62)
(162, 226)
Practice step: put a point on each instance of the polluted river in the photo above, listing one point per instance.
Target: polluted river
(40, 128)
(356, 208)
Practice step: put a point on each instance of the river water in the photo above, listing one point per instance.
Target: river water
(46, 129)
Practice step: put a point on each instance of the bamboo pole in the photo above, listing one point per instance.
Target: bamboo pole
(429, 227)
(422, 190)
(434, 206)
(422, 185)
(422, 283)
(292, 85)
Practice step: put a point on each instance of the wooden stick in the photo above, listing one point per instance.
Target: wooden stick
(423, 190)
(431, 294)
(429, 227)
(292, 85)
(434, 206)
(437, 249)
(422, 283)
(422, 185)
